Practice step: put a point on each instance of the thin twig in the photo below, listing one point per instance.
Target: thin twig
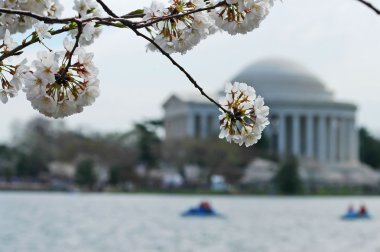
(371, 6)
(113, 18)
(191, 79)
(30, 42)
(48, 20)
(77, 38)
(107, 9)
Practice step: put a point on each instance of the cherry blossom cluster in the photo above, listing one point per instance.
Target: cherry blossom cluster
(87, 9)
(58, 89)
(17, 23)
(56, 84)
(182, 32)
(49, 8)
(11, 75)
(241, 16)
(245, 115)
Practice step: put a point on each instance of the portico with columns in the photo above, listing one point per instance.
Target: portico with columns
(325, 134)
(305, 118)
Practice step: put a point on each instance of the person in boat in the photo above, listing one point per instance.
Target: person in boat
(362, 211)
(205, 206)
(350, 211)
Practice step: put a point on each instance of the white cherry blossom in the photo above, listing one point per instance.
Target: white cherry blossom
(89, 31)
(42, 30)
(156, 9)
(183, 33)
(21, 70)
(89, 34)
(14, 23)
(240, 16)
(57, 90)
(9, 44)
(87, 8)
(245, 117)
(11, 79)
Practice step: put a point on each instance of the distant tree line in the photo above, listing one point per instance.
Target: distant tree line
(369, 149)
(39, 142)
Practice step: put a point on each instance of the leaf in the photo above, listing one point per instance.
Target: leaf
(136, 12)
(73, 25)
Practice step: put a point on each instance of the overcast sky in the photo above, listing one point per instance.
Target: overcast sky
(338, 40)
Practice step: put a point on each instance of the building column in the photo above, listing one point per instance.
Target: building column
(353, 150)
(281, 134)
(342, 140)
(216, 123)
(203, 118)
(332, 140)
(296, 132)
(191, 125)
(309, 136)
(322, 137)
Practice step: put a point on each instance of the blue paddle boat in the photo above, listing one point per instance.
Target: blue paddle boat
(355, 216)
(203, 210)
(362, 214)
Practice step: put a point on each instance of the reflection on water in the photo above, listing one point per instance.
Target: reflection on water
(51, 222)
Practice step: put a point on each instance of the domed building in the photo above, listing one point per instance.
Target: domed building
(305, 118)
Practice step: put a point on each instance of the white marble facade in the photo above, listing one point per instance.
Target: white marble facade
(306, 120)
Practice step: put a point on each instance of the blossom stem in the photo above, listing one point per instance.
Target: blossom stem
(77, 38)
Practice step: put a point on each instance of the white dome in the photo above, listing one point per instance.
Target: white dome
(279, 80)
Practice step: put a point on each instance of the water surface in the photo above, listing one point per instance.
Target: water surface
(58, 222)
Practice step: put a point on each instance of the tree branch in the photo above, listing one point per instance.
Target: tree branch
(30, 42)
(111, 22)
(48, 20)
(151, 22)
(77, 38)
(106, 20)
(191, 79)
(107, 9)
(371, 6)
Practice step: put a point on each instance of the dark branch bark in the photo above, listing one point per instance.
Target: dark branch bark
(77, 38)
(107, 9)
(30, 42)
(371, 6)
(48, 20)
(191, 79)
